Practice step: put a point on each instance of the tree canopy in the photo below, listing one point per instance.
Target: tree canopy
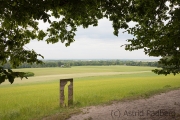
(156, 29)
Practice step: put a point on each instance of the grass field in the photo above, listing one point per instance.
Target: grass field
(38, 96)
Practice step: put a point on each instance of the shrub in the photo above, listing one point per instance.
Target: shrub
(28, 74)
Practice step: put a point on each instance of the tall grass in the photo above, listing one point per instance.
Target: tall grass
(97, 90)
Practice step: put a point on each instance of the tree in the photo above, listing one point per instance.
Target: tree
(156, 29)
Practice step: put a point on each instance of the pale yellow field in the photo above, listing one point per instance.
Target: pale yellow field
(38, 96)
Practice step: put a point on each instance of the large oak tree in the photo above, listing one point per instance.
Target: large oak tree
(156, 29)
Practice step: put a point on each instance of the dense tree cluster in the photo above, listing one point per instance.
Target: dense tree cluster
(156, 29)
(69, 63)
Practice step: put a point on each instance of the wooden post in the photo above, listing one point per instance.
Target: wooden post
(70, 93)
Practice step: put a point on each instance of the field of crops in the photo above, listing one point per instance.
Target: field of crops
(38, 96)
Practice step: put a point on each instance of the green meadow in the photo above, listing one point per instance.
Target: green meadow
(38, 97)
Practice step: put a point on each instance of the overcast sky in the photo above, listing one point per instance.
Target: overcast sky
(91, 43)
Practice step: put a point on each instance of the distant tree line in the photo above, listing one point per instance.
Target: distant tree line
(69, 63)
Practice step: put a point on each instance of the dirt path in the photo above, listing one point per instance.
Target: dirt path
(165, 106)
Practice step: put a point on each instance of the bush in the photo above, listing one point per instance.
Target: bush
(28, 74)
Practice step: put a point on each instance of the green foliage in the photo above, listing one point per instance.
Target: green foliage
(10, 75)
(156, 30)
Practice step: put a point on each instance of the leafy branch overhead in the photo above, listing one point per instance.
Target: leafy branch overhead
(10, 75)
(156, 29)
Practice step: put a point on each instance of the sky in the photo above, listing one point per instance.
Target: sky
(91, 43)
